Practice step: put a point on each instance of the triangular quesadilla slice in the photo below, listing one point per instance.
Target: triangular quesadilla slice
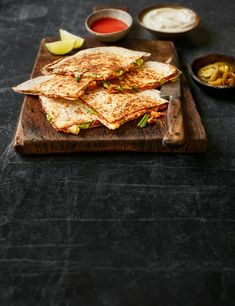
(100, 63)
(68, 116)
(56, 86)
(150, 75)
(114, 109)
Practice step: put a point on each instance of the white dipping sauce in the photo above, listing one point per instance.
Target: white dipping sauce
(170, 19)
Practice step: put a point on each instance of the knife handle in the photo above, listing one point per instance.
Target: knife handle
(175, 127)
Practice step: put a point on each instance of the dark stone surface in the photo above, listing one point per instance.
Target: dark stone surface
(116, 229)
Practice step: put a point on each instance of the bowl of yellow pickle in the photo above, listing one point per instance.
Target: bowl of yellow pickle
(214, 71)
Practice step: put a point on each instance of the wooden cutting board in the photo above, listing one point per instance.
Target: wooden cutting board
(34, 134)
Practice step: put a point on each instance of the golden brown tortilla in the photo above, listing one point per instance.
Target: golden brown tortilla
(118, 108)
(68, 116)
(100, 63)
(56, 86)
(150, 75)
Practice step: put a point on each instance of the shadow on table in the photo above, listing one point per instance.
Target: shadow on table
(199, 37)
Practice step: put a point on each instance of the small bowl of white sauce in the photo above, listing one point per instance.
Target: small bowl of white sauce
(168, 21)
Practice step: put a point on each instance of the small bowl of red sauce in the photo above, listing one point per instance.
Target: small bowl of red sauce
(109, 25)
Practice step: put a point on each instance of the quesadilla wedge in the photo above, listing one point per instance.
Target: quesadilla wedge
(56, 86)
(100, 63)
(115, 109)
(148, 76)
(68, 116)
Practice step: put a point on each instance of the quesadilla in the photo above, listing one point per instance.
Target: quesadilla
(115, 109)
(68, 116)
(56, 86)
(150, 75)
(100, 63)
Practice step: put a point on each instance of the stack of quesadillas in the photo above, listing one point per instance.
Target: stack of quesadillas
(103, 85)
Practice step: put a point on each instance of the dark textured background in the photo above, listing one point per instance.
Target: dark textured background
(116, 229)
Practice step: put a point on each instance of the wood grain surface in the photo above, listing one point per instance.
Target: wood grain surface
(35, 135)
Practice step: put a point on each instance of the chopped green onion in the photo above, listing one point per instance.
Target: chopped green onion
(106, 84)
(126, 87)
(49, 117)
(120, 88)
(143, 121)
(139, 62)
(119, 72)
(135, 88)
(90, 110)
(123, 87)
(91, 74)
(85, 125)
(77, 76)
(87, 108)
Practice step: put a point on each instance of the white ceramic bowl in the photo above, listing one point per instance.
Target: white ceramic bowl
(109, 13)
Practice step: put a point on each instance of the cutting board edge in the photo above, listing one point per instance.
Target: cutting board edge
(26, 147)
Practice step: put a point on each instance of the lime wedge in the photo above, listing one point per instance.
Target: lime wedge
(64, 35)
(61, 47)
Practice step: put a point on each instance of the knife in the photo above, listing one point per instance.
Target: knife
(175, 127)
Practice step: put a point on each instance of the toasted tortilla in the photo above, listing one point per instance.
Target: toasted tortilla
(150, 75)
(68, 116)
(114, 109)
(100, 63)
(56, 86)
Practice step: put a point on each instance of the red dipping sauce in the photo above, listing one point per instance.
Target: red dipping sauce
(108, 25)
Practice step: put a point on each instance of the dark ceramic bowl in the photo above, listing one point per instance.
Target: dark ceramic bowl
(202, 61)
(164, 34)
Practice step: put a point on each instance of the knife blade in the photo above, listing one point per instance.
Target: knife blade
(175, 135)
